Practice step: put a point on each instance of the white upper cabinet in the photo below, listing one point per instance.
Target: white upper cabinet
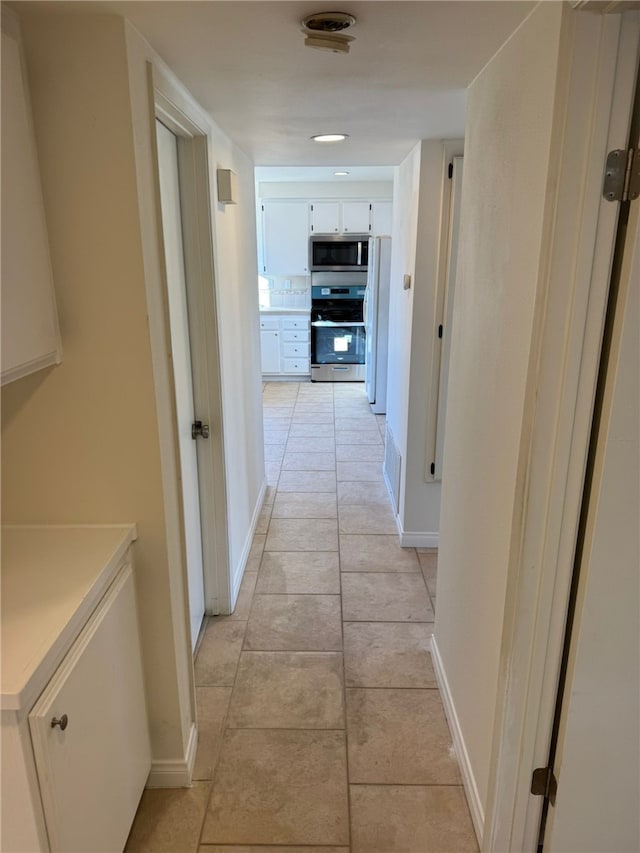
(30, 335)
(285, 234)
(356, 217)
(382, 218)
(325, 217)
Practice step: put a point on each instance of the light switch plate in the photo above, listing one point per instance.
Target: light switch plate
(406, 281)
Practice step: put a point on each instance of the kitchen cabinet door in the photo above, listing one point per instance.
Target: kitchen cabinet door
(325, 217)
(356, 217)
(285, 231)
(30, 335)
(382, 218)
(89, 731)
(270, 350)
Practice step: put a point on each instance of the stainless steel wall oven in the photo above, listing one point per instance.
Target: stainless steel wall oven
(338, 338)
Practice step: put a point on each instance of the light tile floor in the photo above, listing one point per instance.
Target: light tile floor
(321, 726)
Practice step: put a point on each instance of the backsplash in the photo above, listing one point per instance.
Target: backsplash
(276, 292)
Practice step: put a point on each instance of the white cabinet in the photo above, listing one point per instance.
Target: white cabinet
(344, 217)
(325, 217)
(285, 343)
(94, 762)
(356, 217)
(285, 234)
(381, 218)
(30, 335)
(270, 351)
(74, 722)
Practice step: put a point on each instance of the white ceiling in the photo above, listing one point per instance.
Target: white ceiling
(247, 65)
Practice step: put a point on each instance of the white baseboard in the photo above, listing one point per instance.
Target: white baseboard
(468, 779)
(409, 539)
(238, 573)
(175, 774)
(418, 540)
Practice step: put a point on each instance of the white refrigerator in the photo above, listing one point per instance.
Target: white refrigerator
(376, 320)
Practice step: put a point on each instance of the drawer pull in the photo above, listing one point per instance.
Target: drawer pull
(63, 722)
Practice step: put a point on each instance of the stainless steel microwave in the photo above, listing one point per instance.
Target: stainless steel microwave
(338, 253)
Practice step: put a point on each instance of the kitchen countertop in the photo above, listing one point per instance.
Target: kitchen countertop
(285, 310)
(52, 579)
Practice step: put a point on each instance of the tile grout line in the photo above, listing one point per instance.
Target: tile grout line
(344, 673)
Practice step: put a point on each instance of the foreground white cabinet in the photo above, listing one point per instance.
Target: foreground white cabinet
(72, 679)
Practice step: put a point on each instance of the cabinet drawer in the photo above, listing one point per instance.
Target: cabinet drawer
(269, 323)
(291, 336)
(297, 350)
(295, 365)
(296, 323)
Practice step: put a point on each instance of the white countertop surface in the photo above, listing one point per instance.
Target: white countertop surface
(52, 579)
(285, 310)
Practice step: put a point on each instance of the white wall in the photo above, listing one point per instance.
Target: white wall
(326, 189)
(81, 443)
(417, 204)
(237, 289)
(504, 198)
(73, 449)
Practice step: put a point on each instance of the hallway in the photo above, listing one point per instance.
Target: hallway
(321, 726)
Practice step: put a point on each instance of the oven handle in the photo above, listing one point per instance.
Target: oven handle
(330, 323)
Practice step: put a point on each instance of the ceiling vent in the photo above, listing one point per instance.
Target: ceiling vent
(324, 31)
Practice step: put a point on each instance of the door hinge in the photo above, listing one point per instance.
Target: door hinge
(450, 170)
(544, 784)
(440, 330)
(622, 175)
(198, 428)
(433, 469)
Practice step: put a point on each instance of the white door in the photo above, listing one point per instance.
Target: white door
(454, 227)
(325, 217)
(93, 764)
(285, 231)
(598, 760)
(356, 217)
(181, 358)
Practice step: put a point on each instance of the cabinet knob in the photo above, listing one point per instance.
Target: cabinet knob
(63, 722)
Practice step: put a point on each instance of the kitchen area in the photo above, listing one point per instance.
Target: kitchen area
(323, 274)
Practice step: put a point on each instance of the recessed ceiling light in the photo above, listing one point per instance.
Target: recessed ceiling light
(340, 174)
(329, 137)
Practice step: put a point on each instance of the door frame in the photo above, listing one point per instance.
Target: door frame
(200, 280)
(593, 117)
(182, 116)
(450, 148)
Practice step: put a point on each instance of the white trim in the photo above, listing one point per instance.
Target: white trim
(450, 149)
(49, 359)
(173, 737)
(238, 575)
(286, 377)
(468, 779)
(417, 540)
(411, 538)
(167, 773)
